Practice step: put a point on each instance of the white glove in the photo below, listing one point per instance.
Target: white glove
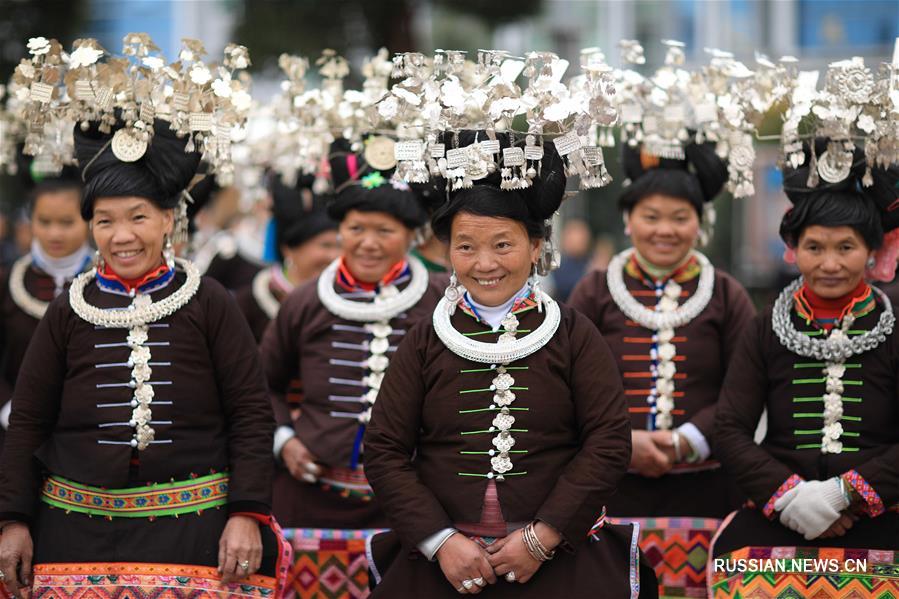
(812, 506)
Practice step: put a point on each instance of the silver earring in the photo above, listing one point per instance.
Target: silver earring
(453, 293)
(168, 252)
(872, 262)
(537, 288)
(98, 261)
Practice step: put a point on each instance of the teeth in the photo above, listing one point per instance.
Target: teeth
(487, 282)
(127, 254)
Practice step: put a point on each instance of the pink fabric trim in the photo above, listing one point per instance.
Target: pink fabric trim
(788, 484)
(352, 166)
(885, 258)
(874, 504)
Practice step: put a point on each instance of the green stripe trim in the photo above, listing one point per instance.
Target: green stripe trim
(488, 453)
(495, 475)
(822, 365)
(490, 390)
(844, 399)
(824, 379)
(818, 446)
(511, 430)
(817, 431)
(493, 409)
(819, 332)
(493, 369)
(497, 332)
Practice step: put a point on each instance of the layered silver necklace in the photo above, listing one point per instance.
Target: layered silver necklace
(142, 310)
(263, 295)
(508, 348)
(650, 318)
(835, 347)
(29, 304)
(388, 303)
(136, 317)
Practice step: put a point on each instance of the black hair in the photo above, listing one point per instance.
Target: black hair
(530, 206)
(698, 178)
(871, 210)
(409, 204)
(51, 186)
(160, 175)
(297, 219)
(834, 209)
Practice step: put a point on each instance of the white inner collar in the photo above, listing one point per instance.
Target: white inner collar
(493, 315)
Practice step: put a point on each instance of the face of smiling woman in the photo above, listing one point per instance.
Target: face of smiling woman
(492, 256)
(663, 229)
(832, 260)
(373, 242)
(130, 234)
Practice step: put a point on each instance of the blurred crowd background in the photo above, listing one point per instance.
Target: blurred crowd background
(746, 242)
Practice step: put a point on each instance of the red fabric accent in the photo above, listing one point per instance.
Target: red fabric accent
(824, 308)
(346, 280)
(131, 284)
(788, 484)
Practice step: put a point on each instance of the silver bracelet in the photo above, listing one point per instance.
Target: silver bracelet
(675, 441)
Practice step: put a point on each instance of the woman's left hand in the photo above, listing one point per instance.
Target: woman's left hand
(510, 554)
(239, 546)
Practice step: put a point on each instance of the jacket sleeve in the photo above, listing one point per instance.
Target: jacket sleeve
(35, 411)
(604, 434)
(247, 411)
(584, 298)
(280, 351)
(743, 398)
(738, 314)
(390, 442)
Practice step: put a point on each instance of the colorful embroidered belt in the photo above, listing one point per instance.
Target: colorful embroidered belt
(165, 499)
(348, 482)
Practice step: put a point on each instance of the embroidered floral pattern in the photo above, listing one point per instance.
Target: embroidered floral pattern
(874, 504)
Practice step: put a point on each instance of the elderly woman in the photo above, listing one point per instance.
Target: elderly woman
(137, 457)
(673, 322)
(305, 241)
(501, 429)
(59, 252)
(337, 334)
(824, 362)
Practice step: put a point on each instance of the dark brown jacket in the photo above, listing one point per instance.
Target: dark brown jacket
(210, 409)
(570, 420)
(764, 374)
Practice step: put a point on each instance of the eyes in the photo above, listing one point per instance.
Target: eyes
(135, 218)
(499, 245)
(679, 219)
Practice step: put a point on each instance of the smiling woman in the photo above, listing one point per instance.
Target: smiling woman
(673, 321)
(824, 362)
(337, 334)
(142, 382)
(501, 428)
(59, 252)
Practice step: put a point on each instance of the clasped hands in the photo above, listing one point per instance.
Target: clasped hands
(816, 509)
(462, 560)
(653, 453)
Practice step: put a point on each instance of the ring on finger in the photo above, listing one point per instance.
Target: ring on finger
(468, 584)
(480, 581)
(510, 576)
(244, 565)
(461, 590)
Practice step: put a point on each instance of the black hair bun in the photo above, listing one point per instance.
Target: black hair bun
(160, 175)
